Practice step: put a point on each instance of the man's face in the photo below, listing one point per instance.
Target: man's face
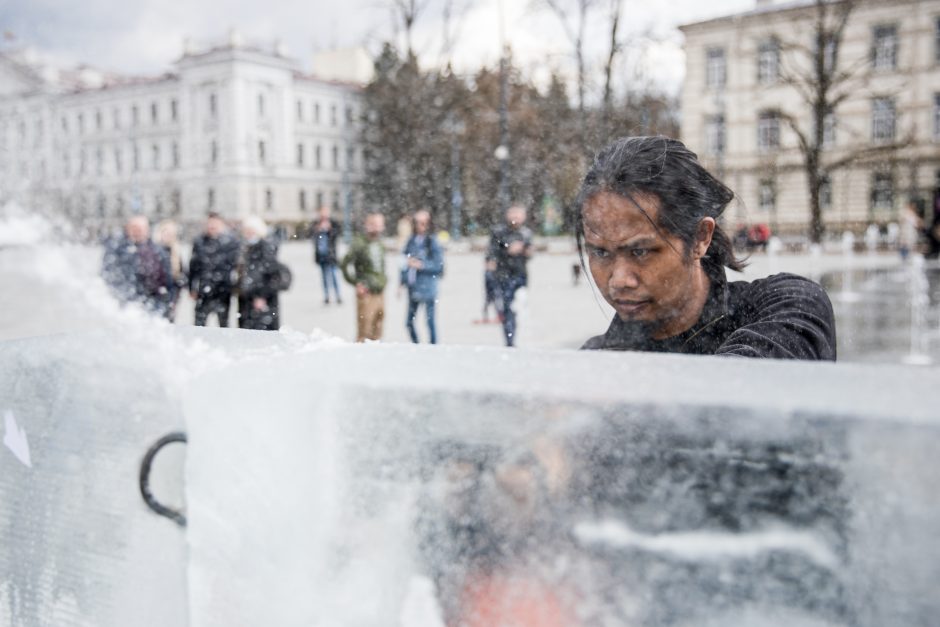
(515, 216)
(138, 230)
(375, 225)
(422, 222)
(215, 227)
(324, 213)
(646, 275)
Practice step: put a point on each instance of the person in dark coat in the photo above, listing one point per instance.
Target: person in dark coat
(424, 263)
(258, 279)
(137, 270)
(647, 219)
(325, 233)
(508, 253)
(212, 271)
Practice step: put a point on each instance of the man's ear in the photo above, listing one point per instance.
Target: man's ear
(703, 237)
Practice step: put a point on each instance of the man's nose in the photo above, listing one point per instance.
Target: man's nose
(623, 275)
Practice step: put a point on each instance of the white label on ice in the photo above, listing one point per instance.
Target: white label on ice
(14, 438)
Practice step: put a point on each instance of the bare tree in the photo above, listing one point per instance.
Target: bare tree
(408, 12)
(823, 83)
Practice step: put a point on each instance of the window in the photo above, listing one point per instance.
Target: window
(136, 157)
(175, 154)
(300, 155)
(268, 200)
(768, 131)
(350, 159)
(98, 122)
(66, 164)
(882, 120)
(335, 200)
(766, 195)
(882, 190)
(261, 105)
(715, 135)
(825, 193)
(333, 115)
(715, 68)
(936, 42)
(82, 161)
(116, 114)
(335, 157)
(936, 116)
(884, 52)
(176, 202)
(154, 113)
(300, 111)
(262, 152)
(210, 198)
(118, 164)
(349, 115)
(81, 124)
(155, 156)
(157, 205)
(316, 112)
(65, 124)
(174, 110)
(318, 154)
(99, 161)
(768, 62)
(302, 200)
(319, 198)
(828, 52)
(213, 106)
(135, 116)
(214, 152)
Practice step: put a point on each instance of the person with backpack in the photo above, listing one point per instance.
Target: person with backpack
(423, 267)
(260, 277)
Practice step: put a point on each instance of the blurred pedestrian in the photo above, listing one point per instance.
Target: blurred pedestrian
(910, 228)
(259, 279)
(168, 238)
(136, 269)
(424, 263)
(364, 267)
(509, 251)
(212, 274)
(933, 227)
(325, 233)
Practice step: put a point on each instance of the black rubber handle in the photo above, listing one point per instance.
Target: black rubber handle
(176, 516)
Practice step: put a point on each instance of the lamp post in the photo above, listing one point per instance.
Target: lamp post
(457, 129)
(502, 151)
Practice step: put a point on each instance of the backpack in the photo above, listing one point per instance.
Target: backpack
(284, 277)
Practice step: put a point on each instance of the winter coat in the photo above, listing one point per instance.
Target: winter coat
(325, 255)
(509, 266)
(357, 267)
(259, 276)
(138, 273)
(212, 266)
(783, 316)
(422, 283)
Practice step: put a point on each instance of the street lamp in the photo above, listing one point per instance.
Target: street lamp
(457, 129)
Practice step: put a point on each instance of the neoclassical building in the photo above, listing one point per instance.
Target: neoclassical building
(233, 128)
(739, 100)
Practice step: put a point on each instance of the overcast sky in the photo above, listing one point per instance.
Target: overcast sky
(146, 36)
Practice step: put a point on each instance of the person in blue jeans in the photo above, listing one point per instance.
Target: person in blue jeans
(424, 264)
(507, 256)
(325, 232)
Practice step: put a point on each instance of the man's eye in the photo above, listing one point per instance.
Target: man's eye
(640, 253)
(598, 253)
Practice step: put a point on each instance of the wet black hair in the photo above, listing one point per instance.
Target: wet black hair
(667, 169)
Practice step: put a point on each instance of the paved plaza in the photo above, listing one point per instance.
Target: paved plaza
(49, 286)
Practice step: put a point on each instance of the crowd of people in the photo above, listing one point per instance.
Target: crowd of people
(657, 259)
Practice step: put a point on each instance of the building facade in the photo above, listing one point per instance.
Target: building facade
(745, 92)
(234, 128)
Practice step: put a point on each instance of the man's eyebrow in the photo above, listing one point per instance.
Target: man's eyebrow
(639, 242)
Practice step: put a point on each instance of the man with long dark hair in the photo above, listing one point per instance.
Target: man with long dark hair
(647, 220)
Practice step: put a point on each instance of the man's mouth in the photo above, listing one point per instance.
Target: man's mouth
(629, 306)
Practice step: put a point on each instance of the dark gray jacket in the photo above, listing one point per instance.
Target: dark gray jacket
(783, 316)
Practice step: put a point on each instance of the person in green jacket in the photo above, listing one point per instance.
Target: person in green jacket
(364, 267)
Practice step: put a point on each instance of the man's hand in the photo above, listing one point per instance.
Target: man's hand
(516, 248)
(415, 263)
(259, 304)
(361, 289)
(193, 294)
(491, 266)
